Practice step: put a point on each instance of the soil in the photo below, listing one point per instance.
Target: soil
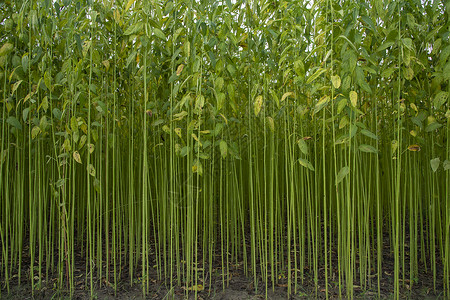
(238, 287)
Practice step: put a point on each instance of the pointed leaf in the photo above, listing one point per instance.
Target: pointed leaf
(315, 75)
(158, 32)
(270, 123)
(6, 49)
(35, 131)
(336, 80)
(433, 126)
(440, 99)
(322, 103)
(14, 122)
(130, 2)
(91, 170)
(257, 104)
(414, 148)
(303, 146)
(369, 134)
(446, 165)
(285, 95)
(353, 98)
(77, 157)
(305, 163)
(343, 172)
(223, 148)
(180, 69)
(367, 148)
(435, 163)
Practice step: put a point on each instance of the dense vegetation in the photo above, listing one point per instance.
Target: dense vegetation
(278, 135)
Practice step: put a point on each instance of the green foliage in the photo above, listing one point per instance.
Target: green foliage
(289, 131)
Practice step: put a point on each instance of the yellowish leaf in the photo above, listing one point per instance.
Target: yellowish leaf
(258, 104)
(91, 148)
(271, 123)
(91, 170)
(414, 148)
(35, 131)
(197, 288)
(353, 98)
(343, 122)
(77, 157)
(285, 95)
(194, 136)
(178, 131)
(106, 64)
(225, 119)
(180, 69)
(336, 80)
(130, 2)
(116, 16)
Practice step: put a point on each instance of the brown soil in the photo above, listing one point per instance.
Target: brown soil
(238, 287)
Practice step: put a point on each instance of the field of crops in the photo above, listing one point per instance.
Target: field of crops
(302, 143)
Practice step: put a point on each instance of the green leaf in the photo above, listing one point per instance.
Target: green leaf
(408, 73)
(223, 148)
(25, 61)
(388, 72)
(305, 163)
(407, 42)
(199, 103)
(315, 75)
(343, 172)
(25, 114)
(369, 134)
(341, 104)
(158, 122)
(57, 113)
(299, 68)
(60, 183)
(343, 122)
(91, 170)
(158, 32)
(440, 99)
(35, 131)
(184, 151)
(369, 22)
(446, 165)
(361, 79)
(433, 126)
(47, 80)
(14, 122)
(135, 28)
(74, 124)
(6, 49)
(229, 4)
(385, 46)
(367, 148)
(303, 146)
(435, 163)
